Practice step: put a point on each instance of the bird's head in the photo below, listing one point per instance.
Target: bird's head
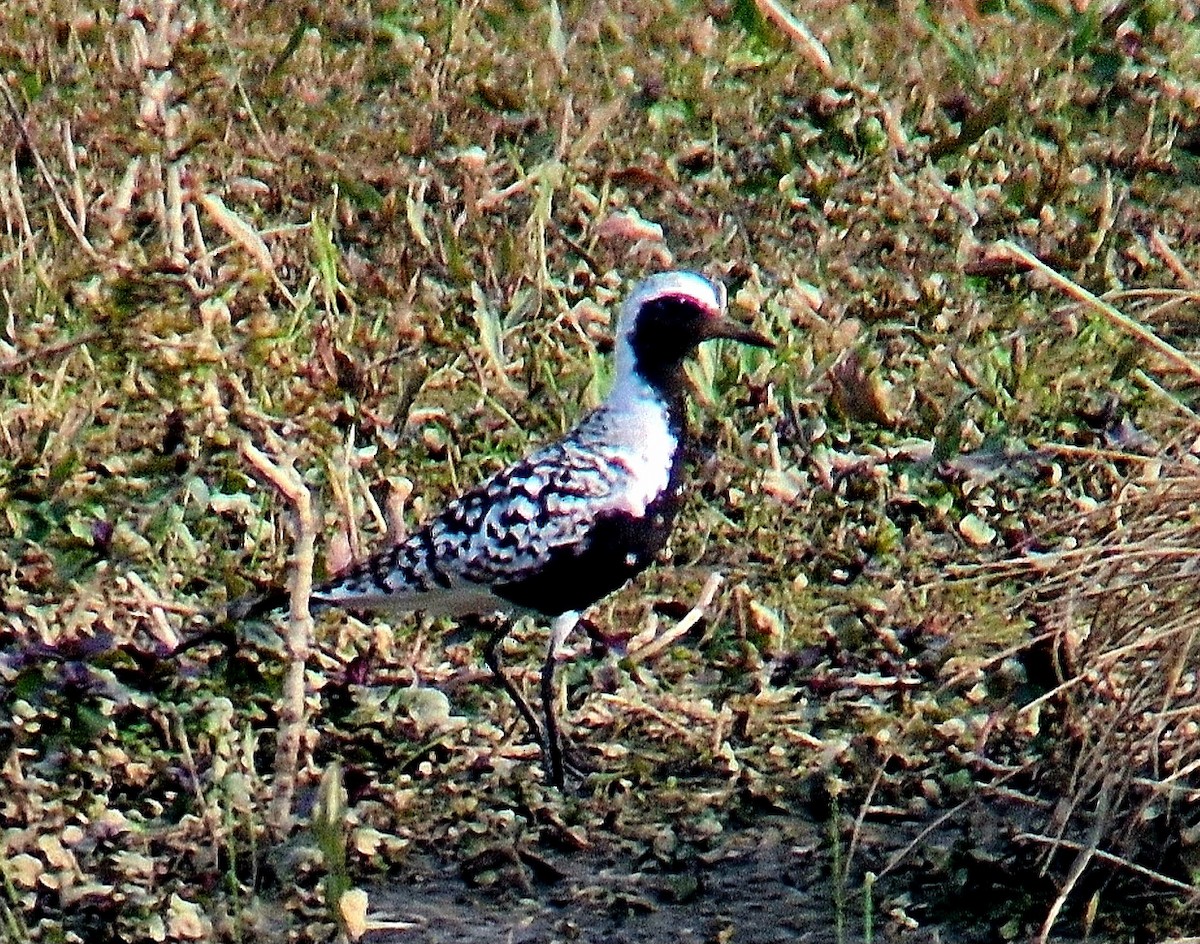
(667, 316)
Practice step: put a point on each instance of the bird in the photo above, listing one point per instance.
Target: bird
(574, 520)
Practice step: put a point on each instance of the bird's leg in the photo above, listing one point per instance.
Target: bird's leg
(560, 629)
(491, 655)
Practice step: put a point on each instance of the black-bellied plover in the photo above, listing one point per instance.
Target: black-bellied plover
(560, 529)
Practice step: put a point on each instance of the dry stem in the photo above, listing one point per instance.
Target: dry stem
(652, 649)
(299, 631)
(1119, 319)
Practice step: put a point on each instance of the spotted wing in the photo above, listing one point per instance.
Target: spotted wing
(500, 533)
(544, 505)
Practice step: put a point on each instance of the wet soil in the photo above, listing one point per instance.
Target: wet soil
(762, 886)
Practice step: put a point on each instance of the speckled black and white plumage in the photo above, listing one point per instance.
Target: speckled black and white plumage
(554, 532)
(562, 528)
(576, 519)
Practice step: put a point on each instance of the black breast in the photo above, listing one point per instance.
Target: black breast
(619, 547)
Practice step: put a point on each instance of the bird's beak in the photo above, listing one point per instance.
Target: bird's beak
(726, 327)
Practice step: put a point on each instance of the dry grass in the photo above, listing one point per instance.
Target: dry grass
(1118, 609)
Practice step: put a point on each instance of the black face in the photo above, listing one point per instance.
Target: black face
(666, 331)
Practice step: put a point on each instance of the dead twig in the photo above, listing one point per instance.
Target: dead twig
(937, 822)
(1116, 317)
(811, 48)
(661, 642)
(1109, 857)
(859, 819)
(1162, 249)
(1084, 857)
(298, 634)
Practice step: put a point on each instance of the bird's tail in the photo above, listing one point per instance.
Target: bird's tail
(224, 622)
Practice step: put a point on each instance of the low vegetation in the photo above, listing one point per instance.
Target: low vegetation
(360, 255)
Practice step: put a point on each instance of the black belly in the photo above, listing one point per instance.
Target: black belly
(619, 547)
